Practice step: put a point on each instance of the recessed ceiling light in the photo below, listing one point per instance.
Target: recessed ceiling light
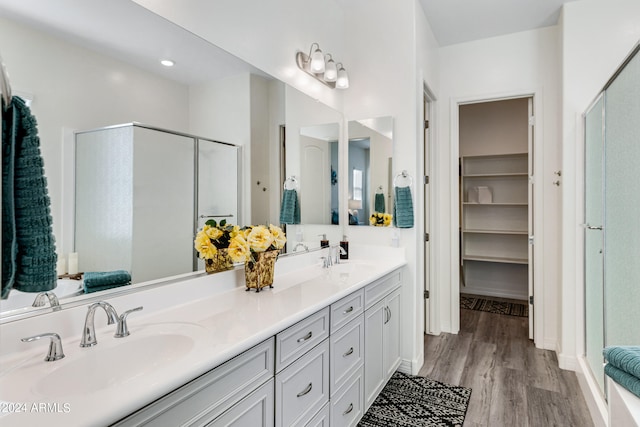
(167, 63)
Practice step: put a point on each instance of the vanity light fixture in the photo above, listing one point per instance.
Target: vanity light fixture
(322, 67)
(167, 63)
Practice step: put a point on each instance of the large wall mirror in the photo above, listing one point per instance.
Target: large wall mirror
(88, 66)
(370, 169)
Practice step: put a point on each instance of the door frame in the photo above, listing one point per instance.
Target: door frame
(430, 308)
(538, 267)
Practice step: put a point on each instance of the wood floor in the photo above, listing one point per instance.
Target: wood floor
(513, 383)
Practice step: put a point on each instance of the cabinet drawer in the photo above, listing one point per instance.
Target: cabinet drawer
(347, 352)
(294, 341)
(255, 410)
(322, 418)
(347, 405)
(346, 309)
(209, 395)
(302, 388)
(381, 287)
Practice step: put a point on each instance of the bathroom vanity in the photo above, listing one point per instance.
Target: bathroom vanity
(314, 350)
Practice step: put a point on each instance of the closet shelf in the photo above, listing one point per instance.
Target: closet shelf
(496, 175)
(504, 260)
(484, 231)
(494, 204)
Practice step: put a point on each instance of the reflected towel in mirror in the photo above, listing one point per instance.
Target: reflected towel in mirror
(95, 281)
(379, 203)
(290, 209)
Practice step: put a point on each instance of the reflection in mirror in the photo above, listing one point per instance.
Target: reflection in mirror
(370, 168)
(318, 174)
(87, 74)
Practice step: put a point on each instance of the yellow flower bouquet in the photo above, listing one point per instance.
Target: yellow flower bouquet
(212, 244)
(380, 219)
(258, 246)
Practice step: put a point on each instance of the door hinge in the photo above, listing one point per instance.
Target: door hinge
(426, 179)
(426, 294)
(531, 240)
(426, 237)
(532, 120)
(531, 299)
(426, 124)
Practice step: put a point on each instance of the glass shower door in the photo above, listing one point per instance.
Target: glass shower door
(622, 207)
(593, 241)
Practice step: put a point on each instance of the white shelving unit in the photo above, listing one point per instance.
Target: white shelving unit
(494, 244)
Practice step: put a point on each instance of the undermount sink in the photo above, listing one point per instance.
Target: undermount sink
(351, 266)
(114, 362)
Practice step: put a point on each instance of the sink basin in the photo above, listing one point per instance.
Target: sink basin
(349, 267)
(114, 362)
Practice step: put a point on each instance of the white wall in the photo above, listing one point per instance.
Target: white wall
(596, 36)
(78, 89)
(266, 34)
(525, 63)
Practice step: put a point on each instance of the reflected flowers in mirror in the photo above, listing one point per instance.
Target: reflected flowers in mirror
(380, 219)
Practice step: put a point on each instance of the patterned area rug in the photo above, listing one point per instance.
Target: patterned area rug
(497, 307)
(409, 401)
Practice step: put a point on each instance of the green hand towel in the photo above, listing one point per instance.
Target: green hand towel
(403, 208)
(623, 378)
(625, 358)
(290, 209)
(379, 205)
(28, 246)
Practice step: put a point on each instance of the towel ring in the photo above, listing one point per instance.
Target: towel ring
(291, 183)
(404, 174)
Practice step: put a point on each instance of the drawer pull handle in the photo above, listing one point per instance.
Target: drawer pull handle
(348, 353)
(306, 390)
(349, 409)
(348, 310)
(306, 337)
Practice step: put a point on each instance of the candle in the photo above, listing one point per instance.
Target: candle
(73, 263)
(61, 266)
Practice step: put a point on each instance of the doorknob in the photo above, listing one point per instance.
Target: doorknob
(592, 227)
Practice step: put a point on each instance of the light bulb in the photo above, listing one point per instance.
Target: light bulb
(343, 79)
(330, 71)
(317, 62)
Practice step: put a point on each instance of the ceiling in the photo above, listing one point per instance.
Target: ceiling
(459, 21)
(128, 32)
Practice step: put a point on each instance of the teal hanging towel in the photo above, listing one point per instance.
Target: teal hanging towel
(379, 205)
(28, 246)
(403, 203)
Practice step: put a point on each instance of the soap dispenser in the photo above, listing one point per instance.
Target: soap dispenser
(324, 243)
(344, 244)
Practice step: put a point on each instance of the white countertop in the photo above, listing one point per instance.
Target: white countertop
(230, 322)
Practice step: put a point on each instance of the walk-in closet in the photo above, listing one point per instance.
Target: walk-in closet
(496, 199)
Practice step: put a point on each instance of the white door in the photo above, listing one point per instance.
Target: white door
(427, 218)
(530, 216)
(315, 194)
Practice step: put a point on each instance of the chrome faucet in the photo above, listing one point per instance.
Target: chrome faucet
(55, 345)
(89, 330)
(40, 300)
(339, 251)
(122, 330)
(306, 248)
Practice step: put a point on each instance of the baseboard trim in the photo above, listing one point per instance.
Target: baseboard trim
(411, 367)
(591, 392)
(569, 363)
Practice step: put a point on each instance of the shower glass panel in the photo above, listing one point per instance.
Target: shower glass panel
(622, 207)
(593, 238)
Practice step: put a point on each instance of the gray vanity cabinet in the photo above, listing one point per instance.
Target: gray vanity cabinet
(382, 340)
(239, 392)
(302, 370)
